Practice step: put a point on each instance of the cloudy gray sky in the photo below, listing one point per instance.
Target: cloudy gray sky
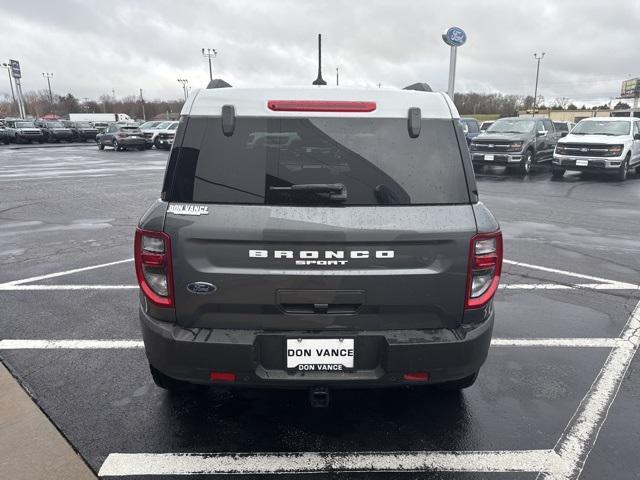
(95, 47)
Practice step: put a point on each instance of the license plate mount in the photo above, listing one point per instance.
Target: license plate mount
(320, 354)
(582, 163)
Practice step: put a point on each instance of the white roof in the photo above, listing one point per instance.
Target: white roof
(252, 102)
(608, 119)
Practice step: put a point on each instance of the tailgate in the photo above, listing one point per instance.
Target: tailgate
(318, 268)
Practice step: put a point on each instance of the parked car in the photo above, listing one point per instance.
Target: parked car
(164, 137)
(358, 255)
(563, 128)
(81, 131)
(23, 131)
(471, 128)
(515, 142)
(4, 134)
(485, 125)
(101, 126)
(150, 131)
(121, 137)
(148, 125)
(600, 145)
(54, 131)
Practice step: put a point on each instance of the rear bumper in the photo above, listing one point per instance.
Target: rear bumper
(257, 358)
(131, 142)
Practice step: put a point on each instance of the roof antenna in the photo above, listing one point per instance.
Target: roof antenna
(319, 80)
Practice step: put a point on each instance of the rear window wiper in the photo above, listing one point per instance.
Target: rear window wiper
(336, 191)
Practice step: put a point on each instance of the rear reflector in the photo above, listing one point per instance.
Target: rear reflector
(416, 377)
(320, 106)
(222, 376)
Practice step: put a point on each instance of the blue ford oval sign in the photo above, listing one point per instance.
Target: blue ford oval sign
(455, 37)
(201, 288)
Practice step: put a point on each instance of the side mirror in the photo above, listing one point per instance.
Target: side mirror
(636, 136)
(563, 134)
(542, 133)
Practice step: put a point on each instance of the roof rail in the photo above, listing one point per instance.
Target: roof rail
(218, 83)
(420, 86)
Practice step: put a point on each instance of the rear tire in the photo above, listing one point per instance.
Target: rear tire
(167, 383)
(557, 172)
(460, 384)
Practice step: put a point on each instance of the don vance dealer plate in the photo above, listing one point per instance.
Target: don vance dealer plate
(320, 354)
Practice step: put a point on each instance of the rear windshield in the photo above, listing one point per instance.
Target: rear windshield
(302, 161)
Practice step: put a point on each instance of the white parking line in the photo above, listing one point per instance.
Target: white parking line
(581, 433)
(11, 344)
(125, 464)
(559, 272)
(558, 342)
(32, 288)
(577, 286)
(66, 272)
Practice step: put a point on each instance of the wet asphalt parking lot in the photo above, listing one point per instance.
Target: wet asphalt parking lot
(558, 397)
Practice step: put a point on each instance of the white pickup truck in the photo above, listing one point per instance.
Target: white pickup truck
(600, 145)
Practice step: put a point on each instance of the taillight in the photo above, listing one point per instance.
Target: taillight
(485, 265)
(153, 266)
(320, 106)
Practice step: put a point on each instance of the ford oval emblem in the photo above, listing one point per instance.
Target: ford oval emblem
(201, 288)
(454, 37)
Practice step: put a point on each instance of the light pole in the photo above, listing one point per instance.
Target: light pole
(49, 76)
(8, 67)
(144, 115)
(535, 95)
(209, 53)
(184, 83)
(337, 76)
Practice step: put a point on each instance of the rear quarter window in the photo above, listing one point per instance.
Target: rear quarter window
(375, 159)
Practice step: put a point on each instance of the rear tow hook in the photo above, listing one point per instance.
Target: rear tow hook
(319, 397)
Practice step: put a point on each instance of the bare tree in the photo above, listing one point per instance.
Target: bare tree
(562, 102)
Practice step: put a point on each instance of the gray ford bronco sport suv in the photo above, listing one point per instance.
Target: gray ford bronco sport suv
(318, 238)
